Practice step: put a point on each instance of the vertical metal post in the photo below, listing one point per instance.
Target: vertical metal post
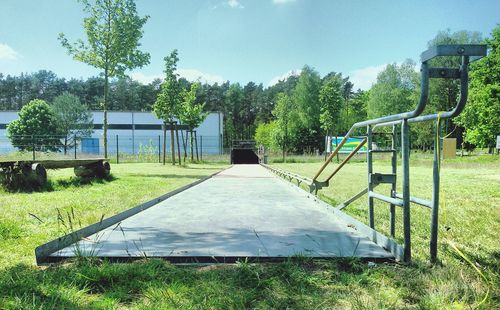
(201, 148)
(369, 160)
(435, 195)
(405, 152)
(394, 163)
(74, 138)
(117, 151)
(133, 134)
(337, 143)
(33, 145)
(196, 144)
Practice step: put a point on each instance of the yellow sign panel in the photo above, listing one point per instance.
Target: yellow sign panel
(449, 148)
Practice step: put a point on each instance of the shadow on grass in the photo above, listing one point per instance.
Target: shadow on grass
(89, 284)
(80, 181)
(50, 185)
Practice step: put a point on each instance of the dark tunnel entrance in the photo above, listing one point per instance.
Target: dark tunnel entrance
(243, 156)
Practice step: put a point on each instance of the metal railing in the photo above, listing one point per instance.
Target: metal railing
(403, 199)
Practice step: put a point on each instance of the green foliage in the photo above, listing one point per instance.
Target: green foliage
(330, 97)
(190, 112)
(264, 134)
(394, 90)
(37, 127)
(481, 116)
(113, 29)
(233, 101)
(169, 99)
(73, 118)
(306, 97)
(283, 114)
(358, 105)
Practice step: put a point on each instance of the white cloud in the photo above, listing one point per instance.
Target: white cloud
(364, 78)
(235, 4)
(282, 1)
(7, 52)
(284, 76)
(196, 75)
(191, 75)
(143, 78)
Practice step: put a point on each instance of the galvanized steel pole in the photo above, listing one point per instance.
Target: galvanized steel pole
(369, 161)
(394, 164)
(435, 195)
(405, 151)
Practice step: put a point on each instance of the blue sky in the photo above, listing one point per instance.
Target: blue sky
(247, 40)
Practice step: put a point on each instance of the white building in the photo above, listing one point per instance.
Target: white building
(135, 132)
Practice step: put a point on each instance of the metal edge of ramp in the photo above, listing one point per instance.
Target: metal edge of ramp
(43, 252)
(378, 238)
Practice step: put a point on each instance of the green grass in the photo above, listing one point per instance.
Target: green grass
(472, 200)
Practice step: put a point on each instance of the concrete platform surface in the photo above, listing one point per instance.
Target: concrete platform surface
(244, 211)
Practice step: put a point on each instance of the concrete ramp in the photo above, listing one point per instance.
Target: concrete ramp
(242, 212)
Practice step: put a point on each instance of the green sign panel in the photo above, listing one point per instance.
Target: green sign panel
(350, 145)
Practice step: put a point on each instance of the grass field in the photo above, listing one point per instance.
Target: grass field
(471, 190)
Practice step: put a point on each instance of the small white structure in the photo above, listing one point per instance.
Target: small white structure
(134, 132)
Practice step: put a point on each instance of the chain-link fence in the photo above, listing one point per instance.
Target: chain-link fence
(121, 148)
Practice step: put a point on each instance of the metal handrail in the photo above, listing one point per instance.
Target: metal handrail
(424, 93)
(413, 116)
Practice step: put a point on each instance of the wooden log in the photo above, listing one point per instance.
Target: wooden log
(100, 169)
(39, 174)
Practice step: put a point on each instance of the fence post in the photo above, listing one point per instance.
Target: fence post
(196, 145)
(201, 148)
(33, 145)
(221, 146)
(337, 143)
(74, 138)
(117, 151)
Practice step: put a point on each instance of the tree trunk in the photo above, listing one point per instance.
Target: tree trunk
(172, 142)
(105, 110)
(164, 141)
(66, 145)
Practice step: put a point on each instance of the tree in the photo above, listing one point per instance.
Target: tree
(191, 113)
(306, 133)
(282, 111)
(358, 103)
(73, 118)
(113, 30)
(306, 97)
(168, 101)
(481, 116)
(36, 129)
(264, 134)
(394, 90)
(330, 97)
(233, 124)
